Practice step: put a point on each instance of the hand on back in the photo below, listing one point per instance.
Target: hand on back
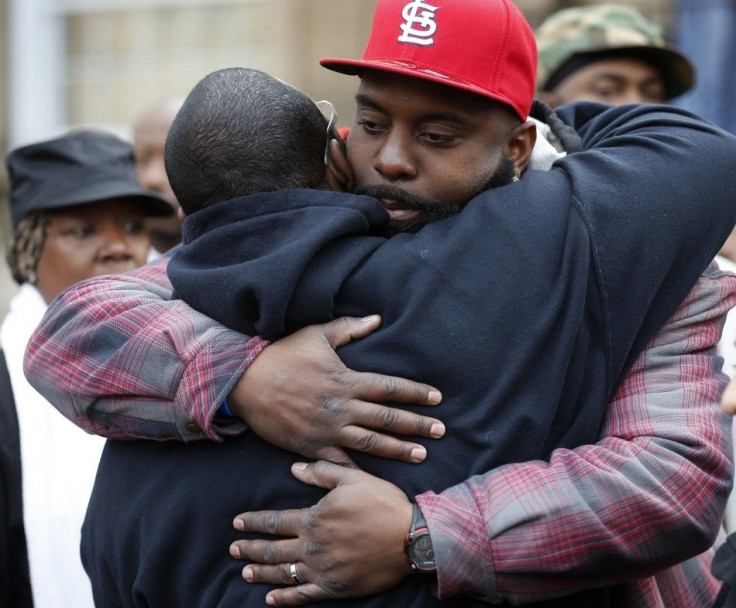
(299, 396)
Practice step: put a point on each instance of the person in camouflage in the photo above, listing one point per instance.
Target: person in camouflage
(608, 53)
(614, 55)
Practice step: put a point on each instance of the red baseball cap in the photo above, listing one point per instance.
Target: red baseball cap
(482, 46)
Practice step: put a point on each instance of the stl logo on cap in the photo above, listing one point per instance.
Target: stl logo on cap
(485, 47)
(419, 25)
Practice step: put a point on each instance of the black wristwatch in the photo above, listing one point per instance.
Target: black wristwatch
(418, 545)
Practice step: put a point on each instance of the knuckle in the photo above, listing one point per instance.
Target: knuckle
(332, 406)
(387, 417)
(421, 394)
(421, 425)
(340, 322)
(307, 593)
(336, 587)
(343, 378)
(283, 573)
(402, 451)
(269, 554)
(311, 522)
(390, 386)
(367, 442)
(301, 444)
(337, 457)
(312, 549)
(272, 523)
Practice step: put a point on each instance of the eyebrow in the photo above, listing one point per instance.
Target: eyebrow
(364, 100)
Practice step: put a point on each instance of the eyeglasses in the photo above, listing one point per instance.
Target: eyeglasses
(332, 121)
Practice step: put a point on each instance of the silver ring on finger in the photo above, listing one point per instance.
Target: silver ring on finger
(294, 574)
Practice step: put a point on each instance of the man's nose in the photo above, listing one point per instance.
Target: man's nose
(632, 94)
(395, 159)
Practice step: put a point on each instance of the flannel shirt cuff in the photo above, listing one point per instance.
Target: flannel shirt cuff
(461, 544)
(208, 379)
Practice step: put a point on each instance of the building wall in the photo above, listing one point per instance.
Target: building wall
(120, 61)
(7, 286)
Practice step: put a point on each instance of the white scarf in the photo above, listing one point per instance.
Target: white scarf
(59, 463)
(547, 149)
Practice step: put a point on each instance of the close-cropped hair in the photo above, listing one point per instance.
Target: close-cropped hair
(240, 132)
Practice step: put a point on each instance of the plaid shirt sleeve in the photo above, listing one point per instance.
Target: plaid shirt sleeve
(122, 359)
(649, 494)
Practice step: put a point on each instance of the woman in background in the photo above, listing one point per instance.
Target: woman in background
(78, 211)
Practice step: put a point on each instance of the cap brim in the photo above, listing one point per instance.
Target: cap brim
(678, 73)
(153, 204)
(356, 67)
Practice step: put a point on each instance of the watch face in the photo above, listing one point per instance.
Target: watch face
(422, 553)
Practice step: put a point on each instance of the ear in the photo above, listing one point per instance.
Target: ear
(520, 145)
(339, 174)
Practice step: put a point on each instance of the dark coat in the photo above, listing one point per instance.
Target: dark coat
(525, 310)
(15, 583)
(724, 569)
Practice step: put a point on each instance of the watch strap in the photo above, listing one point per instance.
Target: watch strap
(417, 519)
(418, 528)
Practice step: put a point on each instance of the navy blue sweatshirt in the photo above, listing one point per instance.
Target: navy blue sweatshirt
(525, 310)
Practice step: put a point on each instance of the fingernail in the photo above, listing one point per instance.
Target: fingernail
(235, 551)
(437, 430)
(434, 397)
(299, 466)
(369, 318)
(270, 601)
(238, 525)
(418, 454)
(248, 574)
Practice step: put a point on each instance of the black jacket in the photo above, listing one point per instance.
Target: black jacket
(724, 569)
(15, 584)
(525, 309)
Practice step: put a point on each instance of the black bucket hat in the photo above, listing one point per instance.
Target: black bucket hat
(82, 166)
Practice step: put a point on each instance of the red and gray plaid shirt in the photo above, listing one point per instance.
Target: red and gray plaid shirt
(121, 359)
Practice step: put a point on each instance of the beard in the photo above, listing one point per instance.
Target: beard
(431, 210)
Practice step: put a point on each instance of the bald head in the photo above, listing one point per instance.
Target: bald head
(149, 138)
(158, 118)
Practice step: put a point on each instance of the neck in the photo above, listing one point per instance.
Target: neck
(729, 247)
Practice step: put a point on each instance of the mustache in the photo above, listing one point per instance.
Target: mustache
(432, 210)
(504, 175)
(400, 196)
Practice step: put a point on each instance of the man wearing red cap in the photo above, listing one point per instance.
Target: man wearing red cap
(420, 27)
(433, 45)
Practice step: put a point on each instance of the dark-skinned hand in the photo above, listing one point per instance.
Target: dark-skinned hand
(328, 541)
(298, 395)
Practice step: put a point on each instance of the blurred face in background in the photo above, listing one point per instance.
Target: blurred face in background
(614, 81)
(149, 140)
(728, 401)
(89, 240)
